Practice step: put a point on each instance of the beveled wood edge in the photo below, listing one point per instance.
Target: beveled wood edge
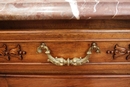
(65, 76)
(86, 40)
(64, 31)
(47, 68)
(100, 63)
(64, 35)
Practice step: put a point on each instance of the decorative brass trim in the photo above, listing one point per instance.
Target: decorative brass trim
(119, 51)
(75, 61)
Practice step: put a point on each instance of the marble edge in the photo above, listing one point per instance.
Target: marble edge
(64, 9)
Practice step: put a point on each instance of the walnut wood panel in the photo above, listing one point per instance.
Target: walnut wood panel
(67, 44)
(34, 62)
(64, 35)
(88, 69)
(3, 82)
(65, 50)
(65, 81)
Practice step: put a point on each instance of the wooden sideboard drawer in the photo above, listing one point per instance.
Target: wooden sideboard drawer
(10, 52)
(65, 80)
(22, 65)
(19, 51)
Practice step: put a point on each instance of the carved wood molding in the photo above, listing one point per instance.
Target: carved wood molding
(120, 51)
(14, 52)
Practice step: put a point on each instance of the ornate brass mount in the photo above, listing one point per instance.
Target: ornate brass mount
(75, 61)
(14, 52)
(119, 51)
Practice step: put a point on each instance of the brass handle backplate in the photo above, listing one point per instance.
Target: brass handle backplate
(61, 61)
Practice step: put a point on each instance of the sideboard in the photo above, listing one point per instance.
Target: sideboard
(71, 43)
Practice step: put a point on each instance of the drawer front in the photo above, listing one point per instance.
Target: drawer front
(108, 52)
(19, 51)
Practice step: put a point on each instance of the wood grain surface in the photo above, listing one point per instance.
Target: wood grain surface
(65, 81)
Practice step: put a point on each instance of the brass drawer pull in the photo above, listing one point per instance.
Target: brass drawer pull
(75, 61)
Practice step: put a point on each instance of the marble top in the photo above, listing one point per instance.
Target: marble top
(64, 9)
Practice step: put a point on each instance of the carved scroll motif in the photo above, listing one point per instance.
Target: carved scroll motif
(119, 51)
(14, 52)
